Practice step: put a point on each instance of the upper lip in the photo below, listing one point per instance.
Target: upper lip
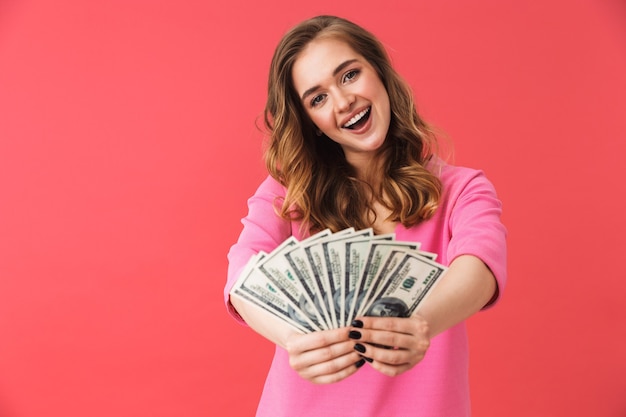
(351, 115)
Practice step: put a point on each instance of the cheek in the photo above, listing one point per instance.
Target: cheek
(384, 99)
(320, 119)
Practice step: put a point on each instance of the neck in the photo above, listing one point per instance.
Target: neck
(367, 168)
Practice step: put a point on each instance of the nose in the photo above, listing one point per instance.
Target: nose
(344, 101)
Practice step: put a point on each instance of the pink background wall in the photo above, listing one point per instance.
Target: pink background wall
(128, 149)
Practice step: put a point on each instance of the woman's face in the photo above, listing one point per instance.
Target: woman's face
(344, 97)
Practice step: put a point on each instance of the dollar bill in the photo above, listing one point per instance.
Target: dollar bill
(255, 288)
(392, 253)
(299, 263)
(279, 271)
(326, 280)
(407, 286)
(334, 250)
(356, 258)
(315, 256)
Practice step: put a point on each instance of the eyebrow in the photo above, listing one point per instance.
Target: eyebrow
(337, 70)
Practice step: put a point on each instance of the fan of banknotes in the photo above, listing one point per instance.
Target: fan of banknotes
(326, 280)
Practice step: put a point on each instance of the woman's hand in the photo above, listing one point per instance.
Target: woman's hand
(392, 345)
(323, 357)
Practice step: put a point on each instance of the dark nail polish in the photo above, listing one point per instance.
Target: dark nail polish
(357, 323)
(354, 334)
(360, 363)
(370, 360)
(359, 348)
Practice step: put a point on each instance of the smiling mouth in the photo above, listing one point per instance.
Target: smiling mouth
(358, 120)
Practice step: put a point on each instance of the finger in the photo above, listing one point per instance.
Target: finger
(391, 370)
(315, 340)
(396, 357)
(409, 325)
(385, 339)
(390, 340)
(389, 356)
(300, 360)
(410, 352)
(333, 371)
(390, 362)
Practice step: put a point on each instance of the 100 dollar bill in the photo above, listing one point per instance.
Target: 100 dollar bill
(255, 287)
(408, 285)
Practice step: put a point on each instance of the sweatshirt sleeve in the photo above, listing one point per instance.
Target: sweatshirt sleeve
(476, 228)
(263, 230)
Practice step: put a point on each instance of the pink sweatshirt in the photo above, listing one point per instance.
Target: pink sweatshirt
(467, 222)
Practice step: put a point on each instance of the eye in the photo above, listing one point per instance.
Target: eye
(351, 75)
(317, 100)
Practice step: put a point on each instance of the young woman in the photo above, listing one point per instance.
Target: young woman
(348, 149)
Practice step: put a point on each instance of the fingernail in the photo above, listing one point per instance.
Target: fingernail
(370, 360)
(359, 348)
(360, 363)
(354, 334)
(357, 323)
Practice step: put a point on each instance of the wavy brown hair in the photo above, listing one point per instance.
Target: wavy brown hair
(323, 190)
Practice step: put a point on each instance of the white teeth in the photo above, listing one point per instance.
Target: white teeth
(356, 118)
